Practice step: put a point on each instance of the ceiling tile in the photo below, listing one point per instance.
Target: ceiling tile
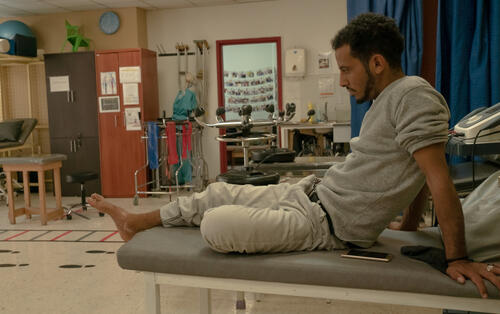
(11, 8)
(169, 4)
(123, 4)
(6, 11)
(76, 5)
(35, 7)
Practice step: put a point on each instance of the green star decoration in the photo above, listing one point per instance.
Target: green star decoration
(75, 38)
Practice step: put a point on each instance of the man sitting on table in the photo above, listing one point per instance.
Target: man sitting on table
(400, 148)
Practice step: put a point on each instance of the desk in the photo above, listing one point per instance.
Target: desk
(341, 130)
(40, 164)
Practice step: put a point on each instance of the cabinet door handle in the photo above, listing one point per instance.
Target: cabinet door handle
(67, 96)
(71, 146)
(116, 122)
(72, 94)
(78, 141)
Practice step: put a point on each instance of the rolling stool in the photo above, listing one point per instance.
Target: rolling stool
(80, 177)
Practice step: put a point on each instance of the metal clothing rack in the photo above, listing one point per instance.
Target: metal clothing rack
(197, 162)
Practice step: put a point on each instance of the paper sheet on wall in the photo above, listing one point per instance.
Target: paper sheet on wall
(59, 83)
(326, 87)
(324, 62)
(108, 83)
(133, 119)
(130, 74)
(130, 93)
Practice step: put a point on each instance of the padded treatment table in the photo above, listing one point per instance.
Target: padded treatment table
(40, 164)
(179, 256)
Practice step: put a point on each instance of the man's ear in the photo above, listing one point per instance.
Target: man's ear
(377, 63)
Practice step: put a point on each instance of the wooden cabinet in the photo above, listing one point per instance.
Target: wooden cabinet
(122, 151)
(73, 117)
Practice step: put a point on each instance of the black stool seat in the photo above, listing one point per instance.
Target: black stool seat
(81, 177)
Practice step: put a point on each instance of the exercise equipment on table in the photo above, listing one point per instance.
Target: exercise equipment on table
(249, 174)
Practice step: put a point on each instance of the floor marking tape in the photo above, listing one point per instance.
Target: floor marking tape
(39, 235)
(16, 235)
(61, 235)
(109, 236)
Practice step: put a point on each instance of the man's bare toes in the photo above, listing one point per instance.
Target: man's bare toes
(97, 197)
(90, 200)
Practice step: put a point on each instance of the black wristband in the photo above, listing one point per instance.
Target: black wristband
(465, 258)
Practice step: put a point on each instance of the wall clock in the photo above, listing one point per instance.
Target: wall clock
(109, 22)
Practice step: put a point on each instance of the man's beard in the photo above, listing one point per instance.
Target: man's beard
(368, 88)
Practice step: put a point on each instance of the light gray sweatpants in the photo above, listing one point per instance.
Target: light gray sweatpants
(254, 219)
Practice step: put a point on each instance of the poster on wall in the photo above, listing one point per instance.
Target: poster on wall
(130, 74)
(133, 119)
(108, 83)
(254, 86)
(324, 63)
(109, 104)
(130, 93)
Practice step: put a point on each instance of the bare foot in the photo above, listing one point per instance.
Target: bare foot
(122, 219)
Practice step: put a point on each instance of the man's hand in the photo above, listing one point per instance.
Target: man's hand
(459, 270)
(431, 161)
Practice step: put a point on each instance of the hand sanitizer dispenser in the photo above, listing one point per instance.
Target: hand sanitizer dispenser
(295, 63)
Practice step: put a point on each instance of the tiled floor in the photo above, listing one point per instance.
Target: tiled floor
(32, 281)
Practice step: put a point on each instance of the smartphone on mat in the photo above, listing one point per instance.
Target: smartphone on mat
(368, 255)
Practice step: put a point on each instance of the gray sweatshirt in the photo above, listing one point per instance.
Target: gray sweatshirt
(380, 177)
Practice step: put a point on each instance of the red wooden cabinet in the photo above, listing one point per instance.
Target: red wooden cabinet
(122, 151)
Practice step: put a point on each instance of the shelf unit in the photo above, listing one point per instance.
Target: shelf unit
(22, 95)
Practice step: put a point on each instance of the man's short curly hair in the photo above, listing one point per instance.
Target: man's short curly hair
(371, 33)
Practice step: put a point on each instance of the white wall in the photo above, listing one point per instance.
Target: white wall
(308, 24)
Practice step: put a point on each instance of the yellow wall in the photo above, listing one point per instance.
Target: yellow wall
(50, 30)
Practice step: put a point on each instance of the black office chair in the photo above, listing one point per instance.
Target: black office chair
(80, 177)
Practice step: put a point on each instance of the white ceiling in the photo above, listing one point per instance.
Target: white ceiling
(12, 8)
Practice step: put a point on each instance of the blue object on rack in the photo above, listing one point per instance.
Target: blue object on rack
(153, 132)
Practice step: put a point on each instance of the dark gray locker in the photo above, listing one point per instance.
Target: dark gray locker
(73, 124)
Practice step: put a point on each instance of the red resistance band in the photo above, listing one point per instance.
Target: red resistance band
(187, 130)
(173, 158)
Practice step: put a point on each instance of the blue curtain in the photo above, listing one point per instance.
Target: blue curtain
(408, 16)
(468, 55)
